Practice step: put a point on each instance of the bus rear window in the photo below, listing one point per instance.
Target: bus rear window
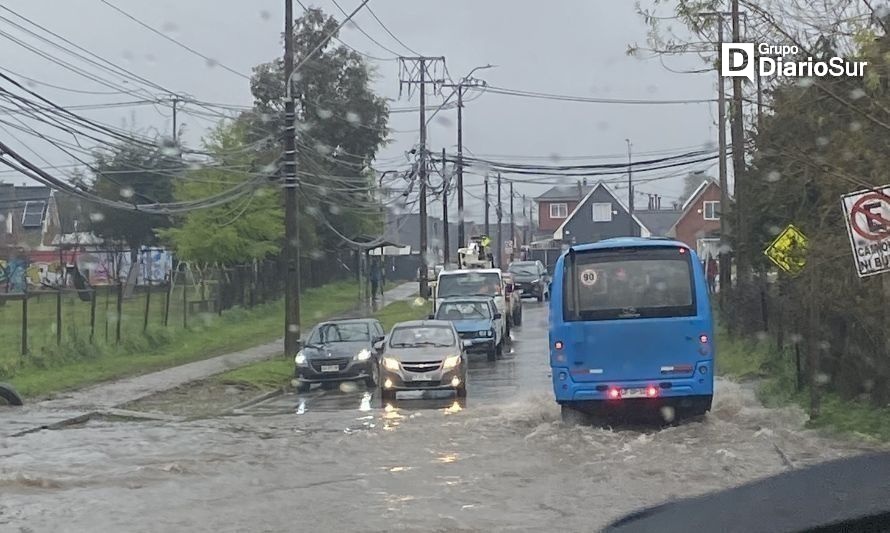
(628, 283)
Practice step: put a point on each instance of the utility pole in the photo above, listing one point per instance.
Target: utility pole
(487, 203)
(512, 221)
(500, 240)
(725, 268)
(527, 219)
(175, 101)
(737, 130)
(466, 81)
(446, 181)
(630, 189)
(421, 71)
(291, 228)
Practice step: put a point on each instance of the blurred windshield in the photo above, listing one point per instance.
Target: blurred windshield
(406, 337)
(463, 311)
(469, 284)
(524, 269)
(342, 332)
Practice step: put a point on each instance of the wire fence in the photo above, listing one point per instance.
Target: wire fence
(57, 321)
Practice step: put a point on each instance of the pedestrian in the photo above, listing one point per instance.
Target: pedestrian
(382, 276)
(712, 275)
(374, 278)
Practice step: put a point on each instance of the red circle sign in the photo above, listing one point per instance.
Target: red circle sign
(876, 226)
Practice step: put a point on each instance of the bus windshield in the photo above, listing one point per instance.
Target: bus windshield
(628, 283)
(469, 284)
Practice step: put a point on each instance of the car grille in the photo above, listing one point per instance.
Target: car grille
(318, 363)
(422, 366)
(468, 334)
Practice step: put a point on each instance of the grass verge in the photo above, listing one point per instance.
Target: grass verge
(275, 373)
(78, 363)
(761, 360)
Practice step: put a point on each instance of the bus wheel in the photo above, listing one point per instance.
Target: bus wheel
(572, 416)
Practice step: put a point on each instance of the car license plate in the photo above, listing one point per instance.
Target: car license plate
(330, 368)
(633, 393)
(421, 377)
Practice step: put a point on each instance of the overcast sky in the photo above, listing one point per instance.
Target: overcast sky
(572, 47)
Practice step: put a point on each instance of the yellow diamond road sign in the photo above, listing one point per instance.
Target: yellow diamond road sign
(788, 250)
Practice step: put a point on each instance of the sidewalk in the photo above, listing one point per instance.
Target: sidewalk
(79, 405)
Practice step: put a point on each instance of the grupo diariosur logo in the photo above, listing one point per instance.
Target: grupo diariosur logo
(739, 59)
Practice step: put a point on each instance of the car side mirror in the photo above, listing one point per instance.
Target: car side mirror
(498, 316)
(379, 345)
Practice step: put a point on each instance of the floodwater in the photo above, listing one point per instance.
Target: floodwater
(340, 461)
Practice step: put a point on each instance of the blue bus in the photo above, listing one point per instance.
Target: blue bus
(631, 327)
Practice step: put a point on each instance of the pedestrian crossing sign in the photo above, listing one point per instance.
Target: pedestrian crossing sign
(788, 250)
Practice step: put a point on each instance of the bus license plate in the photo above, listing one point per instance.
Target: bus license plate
(330, 368)
(633, 393)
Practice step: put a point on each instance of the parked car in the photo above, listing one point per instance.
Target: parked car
(514, 298)
(532, 277)
(476, 320)
(337, 351)
(423, 355)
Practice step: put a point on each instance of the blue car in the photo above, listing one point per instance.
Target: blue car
(476, 320)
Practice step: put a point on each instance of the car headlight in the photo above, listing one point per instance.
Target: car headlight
(483, 333)
(363, 355)
(300, 359)
(390, 364)
(451, 362)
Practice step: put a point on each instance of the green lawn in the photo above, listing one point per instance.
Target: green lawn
(77, 362)
(744, 359)
(272, 374)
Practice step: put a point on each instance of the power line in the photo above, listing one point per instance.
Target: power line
(210, 61)
(382, 25)
(366, 34)
(593, 100)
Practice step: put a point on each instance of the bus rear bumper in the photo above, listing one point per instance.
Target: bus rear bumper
(666, 391)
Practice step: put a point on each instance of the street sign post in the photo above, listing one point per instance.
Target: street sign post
(788, 250)
(867, 215)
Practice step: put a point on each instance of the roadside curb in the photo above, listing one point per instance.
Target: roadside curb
(261, 398)
(74, 420)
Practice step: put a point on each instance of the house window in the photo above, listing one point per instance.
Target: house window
(602, 212)
(33, 214)
(711, 210)
(559, 210)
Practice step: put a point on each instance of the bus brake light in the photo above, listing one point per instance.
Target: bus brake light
(703, 339)
(614, 393)
(682, 251)
(651, 391)
(558, 345)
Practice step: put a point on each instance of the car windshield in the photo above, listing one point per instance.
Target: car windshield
(524, 269)
(213, 213)
(417, 336)
(469, 284)
(340, 332)
(463, 311)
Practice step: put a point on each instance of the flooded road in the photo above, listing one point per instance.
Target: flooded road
(339, 460)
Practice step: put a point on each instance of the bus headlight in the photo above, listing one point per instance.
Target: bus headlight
(451, 362)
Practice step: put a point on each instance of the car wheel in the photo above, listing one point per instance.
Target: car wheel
(517, 320)
(573, 417)
(303, 387)
(461, 391)
(372, 380)
(541, 296)
(499, 351)
(387, 395)
(9, 395)
(492, 354)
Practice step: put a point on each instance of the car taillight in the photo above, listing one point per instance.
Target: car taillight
(703, 339)
(651, 392)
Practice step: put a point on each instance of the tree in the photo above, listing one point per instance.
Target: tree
(139, 175)
(240, 231)
(341, 125)
(691, 182)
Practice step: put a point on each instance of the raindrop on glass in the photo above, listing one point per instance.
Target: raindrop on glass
(2, 217)
(269, 169)
(773, 176)
(857, 93)
(211, 63)
(761, 336)
(353, 118)
(312, 210)
(855, 125)
(774, 230)
(555, 157)
(348, 386)
(322, 148)
(652, 88)
(265, 15)
(668, 413)
(796, 338)
(822, 141)
(602, 125)
(419, 302)
(97, 217)
(334, 209)
(316, 254)
(805, 82)
(169, 27)
(822, 378)
(127, 192)
(444, 121)
(293, 328)
(325, 114)
(824, 345)
(128, 56)
(724, 248)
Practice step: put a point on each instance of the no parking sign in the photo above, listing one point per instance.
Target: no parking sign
(867, 215)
